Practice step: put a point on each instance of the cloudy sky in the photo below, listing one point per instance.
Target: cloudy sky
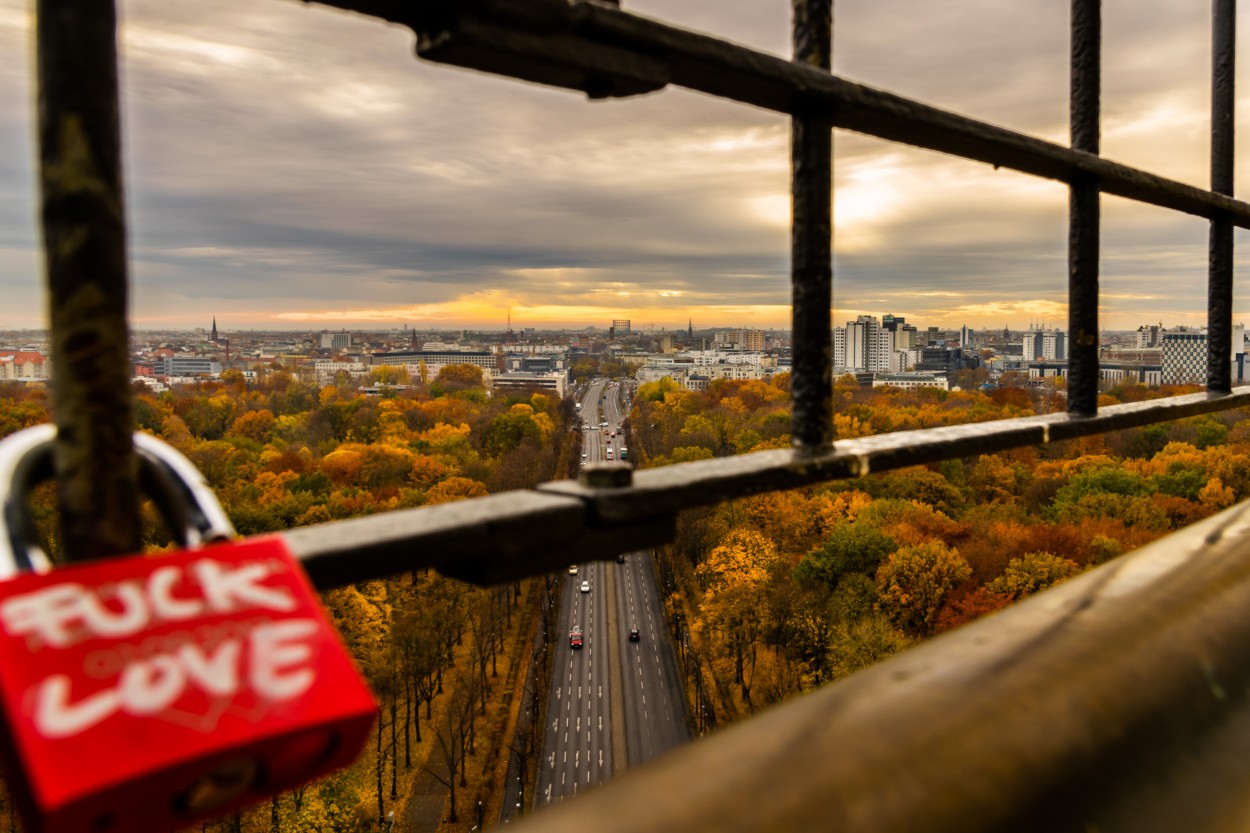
(292, 166)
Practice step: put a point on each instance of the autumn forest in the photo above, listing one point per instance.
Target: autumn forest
(766, 597)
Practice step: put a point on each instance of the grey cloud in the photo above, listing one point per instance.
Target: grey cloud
(289, 156)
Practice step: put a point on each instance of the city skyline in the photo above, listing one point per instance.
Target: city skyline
(293, 167)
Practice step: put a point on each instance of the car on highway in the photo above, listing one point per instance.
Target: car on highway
(603, 424)
(620, 559)
(585, 587)
(572, 569)
(575, 637)
(633, 635)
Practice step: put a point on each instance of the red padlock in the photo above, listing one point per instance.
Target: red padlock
(144, 693)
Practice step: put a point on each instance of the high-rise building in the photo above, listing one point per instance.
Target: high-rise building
(1150, 335)
(866, 345)
(739, 340)
(620, 326)
(906, 337)
(1055, 345)
(1040, 345)
(1185, 356)
(336, 341)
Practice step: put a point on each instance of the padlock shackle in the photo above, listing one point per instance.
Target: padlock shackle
(25, 460)
(188, 506)
(176, 480)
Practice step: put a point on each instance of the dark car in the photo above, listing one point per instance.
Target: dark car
(620, 559)
(633, 634)
(575, 637)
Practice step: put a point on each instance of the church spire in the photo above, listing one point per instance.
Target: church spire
(213, 337)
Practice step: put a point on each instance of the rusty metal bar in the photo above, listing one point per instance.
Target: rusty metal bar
(708, 64)
(486, 540)
(1220, 265)
(84, 232)
(1083, 211)
(1116, 701)
(811, 233)
(505, 536)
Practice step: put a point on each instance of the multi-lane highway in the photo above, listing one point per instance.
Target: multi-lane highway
(654, 708)
(615, 701)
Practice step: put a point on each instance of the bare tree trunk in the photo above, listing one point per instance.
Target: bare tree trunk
(394, 750)
(381, 765)
(408, 694)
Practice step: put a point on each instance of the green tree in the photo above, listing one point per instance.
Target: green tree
(914, 581)
(849, 548)
(1032, 572)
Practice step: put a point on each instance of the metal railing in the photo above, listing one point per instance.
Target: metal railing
(1116, 701)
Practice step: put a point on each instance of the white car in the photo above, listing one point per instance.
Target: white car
(585, 587)
(572, 569)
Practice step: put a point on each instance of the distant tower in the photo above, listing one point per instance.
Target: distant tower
(689, 328)
(213, 337)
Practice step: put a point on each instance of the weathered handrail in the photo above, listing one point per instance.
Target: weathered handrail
(1117, 701)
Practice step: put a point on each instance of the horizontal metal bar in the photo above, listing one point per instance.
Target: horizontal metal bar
(708, 64)
(727, 70)
(529, 532)
(704, 482)
(486, 540)
(1117, 701)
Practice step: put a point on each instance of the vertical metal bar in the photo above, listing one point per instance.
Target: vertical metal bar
(1220, 257)
(1083, 211)
(85, 251)
(811, 266)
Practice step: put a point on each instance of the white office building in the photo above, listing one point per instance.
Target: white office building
(863, 345)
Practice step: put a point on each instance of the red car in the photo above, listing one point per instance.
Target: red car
(575, 637)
